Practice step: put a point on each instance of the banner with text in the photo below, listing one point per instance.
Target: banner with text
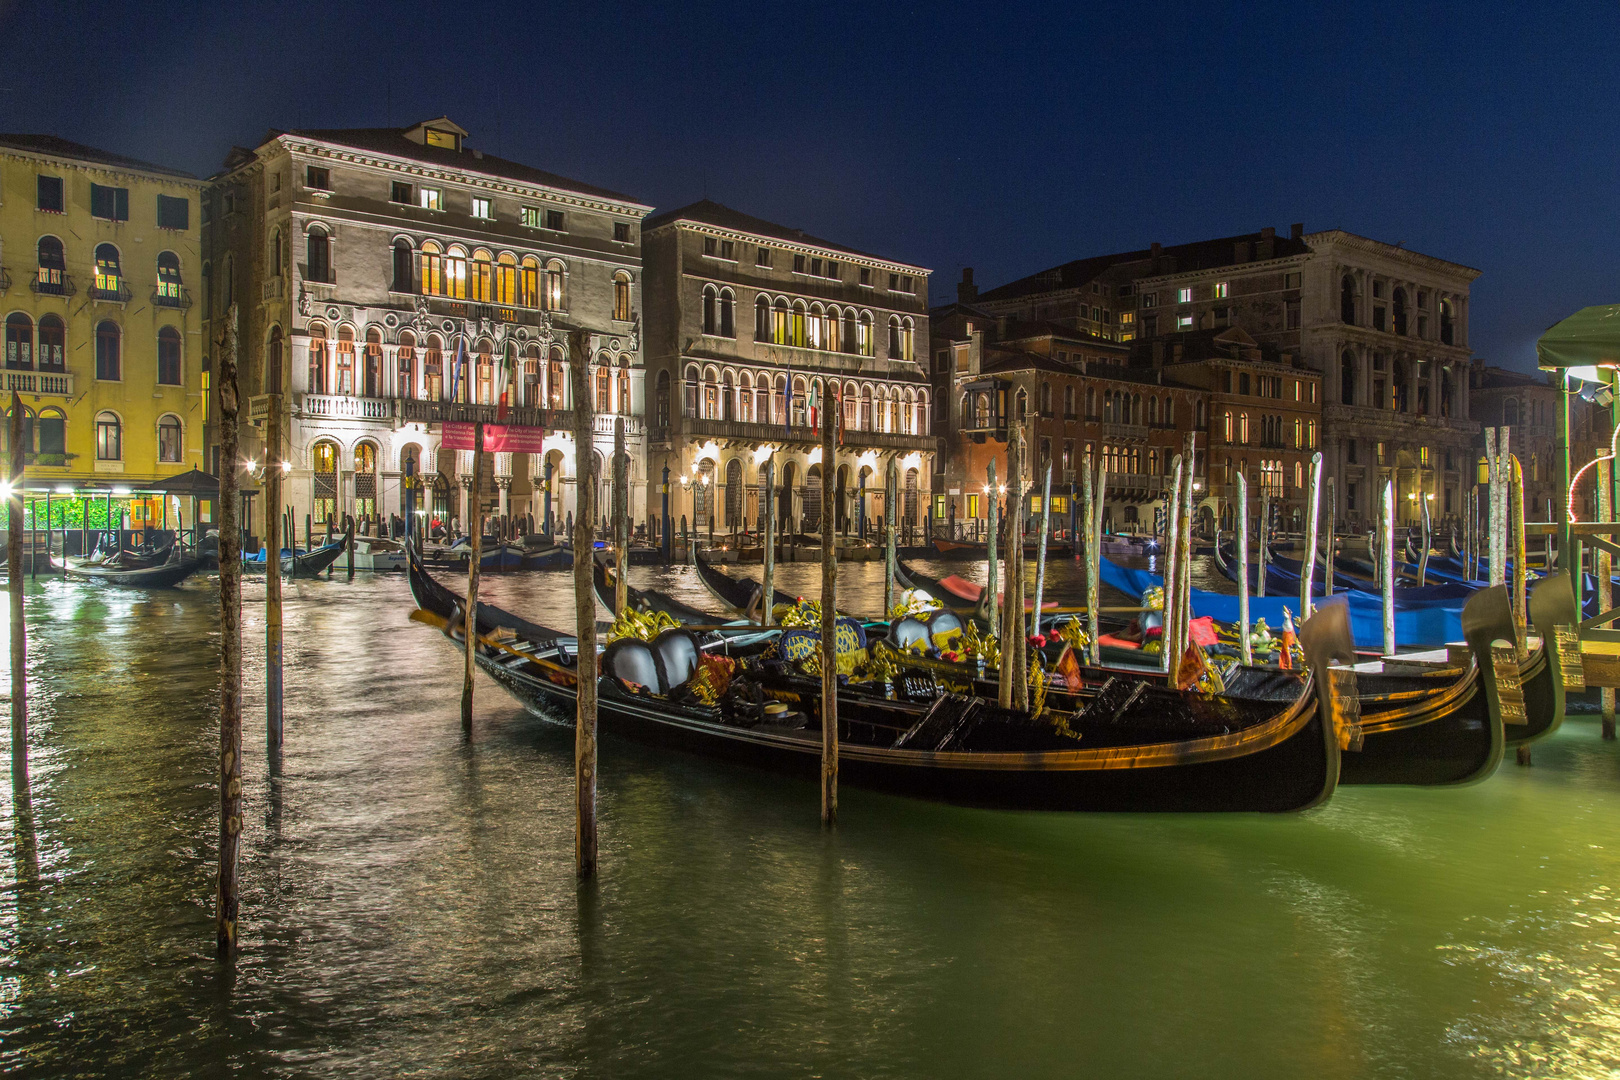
(498, 438)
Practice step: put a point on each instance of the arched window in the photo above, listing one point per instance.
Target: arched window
(604, 388)
(528, 279)
(621, 296)
(894, 338)
(624, 386)
(1046, 399)
(762, 318)
(734, 492)
(815, 328)
(317, 358)
(318, 255)
(345, 360)
(661, 401)
(373, 365)
(555, 379)
(1226, 426)
(1446, 330)
(168, 433)
(52, 437)
(431, 268)
(272, 362)
(711, 309)
(555, 295)
(109, 437)
(108, 351)
(324, 463)
(728, 396)
(728, 313)
(1399, 300)
(779, 323)
(455, 272)
(533, 386)
(168, 357)
(432, 368)
(894, 409)
(711, 395)
(109, 274)
(866, 408)
(908, 339)
(799, 402)
(868, 344)
(52, 353)
(1347, 300)
(404, 262)
(1510, 411)
(480, 277)
(168, 279)
(505, 287)
(405, 357)
(19, 342)
(850, 336)
(365, 480)
(52, 267)
(924, 417)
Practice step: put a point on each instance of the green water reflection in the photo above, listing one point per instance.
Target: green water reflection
(411, 907)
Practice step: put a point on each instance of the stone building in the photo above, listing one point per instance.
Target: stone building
(391, 279)
(1074, 393)
(99, 255)
(1385, 327)
(1527, 405)
(753, 328)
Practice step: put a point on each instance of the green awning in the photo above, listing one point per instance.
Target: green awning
(1588, 338)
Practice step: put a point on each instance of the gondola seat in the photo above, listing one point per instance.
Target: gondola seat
(676, 652)
(633, 664)
(908, 632)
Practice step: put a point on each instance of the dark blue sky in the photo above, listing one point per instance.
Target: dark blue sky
(1003, 137)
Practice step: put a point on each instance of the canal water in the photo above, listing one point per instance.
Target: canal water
(411, 907)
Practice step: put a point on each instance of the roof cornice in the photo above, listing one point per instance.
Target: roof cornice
(1378, 248)
(396, 164)
(789, 245)
(100, 167)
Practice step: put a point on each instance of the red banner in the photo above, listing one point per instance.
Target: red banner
(498, 438)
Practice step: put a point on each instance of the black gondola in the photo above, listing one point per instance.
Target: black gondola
(1133, 746)
(646, 600)
(742, 595)
(169, 574)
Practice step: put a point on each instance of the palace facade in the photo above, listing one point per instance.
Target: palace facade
(388, 280)
(753, 330)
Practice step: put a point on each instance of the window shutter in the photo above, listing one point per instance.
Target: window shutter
(100, 201)
(121, 204)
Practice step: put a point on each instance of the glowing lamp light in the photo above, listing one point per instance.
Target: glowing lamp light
(64, 489)
(121, 492)
(286, 466)
(6, 490)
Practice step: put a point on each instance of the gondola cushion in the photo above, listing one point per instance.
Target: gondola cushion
(631, 661)
(676, 652)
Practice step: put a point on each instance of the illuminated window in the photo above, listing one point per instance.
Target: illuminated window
(109, 437)
(1220, 290)
(1183, 296)
(1243, 427)
(109, 277)
(1184, 322)
(429, 198)
(481, 208)
(530, 216)
(480, 277)
(446, 139)
(553, 295)
(621, 296)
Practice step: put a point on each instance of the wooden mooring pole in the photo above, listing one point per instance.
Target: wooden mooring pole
(1245, 646)
(273, 521)
(1011, 621)
(1605, 578)
(585, 610)
(1521, 555)
(475, 526)
(891, 485)
(989, 603)
(229, 899)
(1184, 560)
(829, 627)
(14, 583)
(1088, 516)
(767, 532)
(1332, 539)
(1386, 563)
(1313, 509)
(1172, 566)
(621, 519)
(1040, 547)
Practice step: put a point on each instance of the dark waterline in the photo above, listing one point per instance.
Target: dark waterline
(411, 906)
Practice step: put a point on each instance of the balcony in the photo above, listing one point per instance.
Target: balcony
(53, 283)
(1132, 432)
(114, 291)
(344, 407)
(753, 434)
(1135, 485)
(271, 290)
(1361, 414)
(53, 383)
(171, 296)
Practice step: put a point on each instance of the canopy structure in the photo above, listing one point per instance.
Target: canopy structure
(1590, 339)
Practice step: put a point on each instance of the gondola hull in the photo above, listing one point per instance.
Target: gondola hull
(166, 576)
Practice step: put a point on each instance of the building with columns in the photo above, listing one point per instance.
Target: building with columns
(388, 280)
(1386, 328)
(753, 328)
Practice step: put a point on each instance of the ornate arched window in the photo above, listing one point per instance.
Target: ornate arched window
(481, 277)
(52, 352)
(324, 466)
(169, 439)
(621, 296)
(430, 264)
(345, 360)
(555, 294)
(404, 261)
(168, 357)
(52, 266)
(433, 368)
(167, 293)
(372, 365)
(271, 381)
(529, 282)
(506, 278)
(405, 356)
(109, 346)
(318, 255)
(19, 342)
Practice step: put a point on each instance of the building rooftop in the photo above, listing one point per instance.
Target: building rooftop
(65, 148)
(1178, 258)
(461, 157)
(709, 212)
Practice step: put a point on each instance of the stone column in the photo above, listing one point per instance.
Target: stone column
(466, 482)
(503, 485)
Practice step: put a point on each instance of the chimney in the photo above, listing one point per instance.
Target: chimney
(1267, 233)
(1240, 252)
(1296, 231)
(966, 291)
(1158, 250)
(1267, 247)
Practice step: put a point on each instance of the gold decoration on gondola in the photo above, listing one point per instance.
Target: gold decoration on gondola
(1074, 632)
(642, 625)
(1037, 684)
(981, 645)
(804, 613)
(1153, 599)
(914, 602)
(712, 678)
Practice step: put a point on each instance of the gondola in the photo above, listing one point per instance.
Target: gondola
(646, 600)
(742, 595)
(964, 597)
(1557, 621)
(167, 575)
(1132, 746)
(299, 564)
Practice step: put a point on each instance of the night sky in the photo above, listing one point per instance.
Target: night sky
(1003, 137)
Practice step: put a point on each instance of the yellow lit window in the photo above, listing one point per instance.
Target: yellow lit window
(446, 139)
(205, 381)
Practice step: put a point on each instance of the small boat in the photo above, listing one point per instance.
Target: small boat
(1128, 746)
(378, 553)
(163, 576)
(296, 562)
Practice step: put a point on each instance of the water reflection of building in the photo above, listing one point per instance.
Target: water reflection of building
(390, 280)
(752, 327)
